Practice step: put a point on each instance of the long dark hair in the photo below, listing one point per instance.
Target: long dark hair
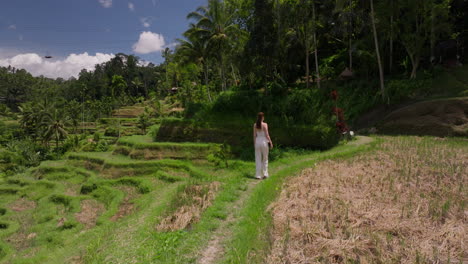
(259, 120)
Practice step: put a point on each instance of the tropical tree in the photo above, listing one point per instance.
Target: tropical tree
(195, 49)
(350, 24)
(55, 127)
(144, 120)
(32, 115)
(216, 24)
(305, 29)
(118, 85)
(420, 22)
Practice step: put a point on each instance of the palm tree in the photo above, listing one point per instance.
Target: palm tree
(56, 128)
(196, 49)
(215, 23)
(137, 84)
(29, 120)
(31, 116)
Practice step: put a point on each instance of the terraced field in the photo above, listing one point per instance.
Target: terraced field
(61, 206)
(142, 202)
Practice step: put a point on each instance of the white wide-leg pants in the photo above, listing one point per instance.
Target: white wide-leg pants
(261, 157)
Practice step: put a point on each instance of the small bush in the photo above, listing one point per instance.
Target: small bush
(60, 199)
(8, 191)
(68, 225)
(2, 211)
(220, 155)
(166, 177)
(88, 188)
(111, 132)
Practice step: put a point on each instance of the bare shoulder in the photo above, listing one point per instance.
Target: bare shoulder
(265, 125)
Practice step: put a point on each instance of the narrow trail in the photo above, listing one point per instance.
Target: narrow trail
(215, 249)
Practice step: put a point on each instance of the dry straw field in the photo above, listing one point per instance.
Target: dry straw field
(404, 202)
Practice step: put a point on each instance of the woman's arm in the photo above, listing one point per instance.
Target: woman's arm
(268, 135)
(254, 134)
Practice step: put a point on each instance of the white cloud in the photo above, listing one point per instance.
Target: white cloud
(66, 68)
(146, 21)
(106, 3)
(131, 6)
(149, 42)
(12, 27)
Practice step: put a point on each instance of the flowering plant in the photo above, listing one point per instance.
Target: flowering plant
(334, 95)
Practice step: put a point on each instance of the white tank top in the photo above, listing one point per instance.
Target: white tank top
(260, 133)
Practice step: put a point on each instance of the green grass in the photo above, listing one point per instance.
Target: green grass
(146, 142)
(58, 189)
(142, 147)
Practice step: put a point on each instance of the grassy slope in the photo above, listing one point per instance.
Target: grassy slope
(54, 191)
(133, 239)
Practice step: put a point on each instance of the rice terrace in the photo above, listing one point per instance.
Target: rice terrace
(234, 131)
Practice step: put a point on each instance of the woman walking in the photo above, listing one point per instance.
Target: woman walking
(262, 142)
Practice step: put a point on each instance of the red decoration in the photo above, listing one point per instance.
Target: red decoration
(339, 113)
(341, 127)
(334, 95)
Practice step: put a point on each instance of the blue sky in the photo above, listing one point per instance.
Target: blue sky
(63, 27)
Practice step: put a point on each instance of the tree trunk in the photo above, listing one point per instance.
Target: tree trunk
(307, 67)
(222, 73)
(350, 28)
(376, 42)
(390, 68)
(415, 64)
(317, 70)
(207, 81)
(350, 55)
(432, 35)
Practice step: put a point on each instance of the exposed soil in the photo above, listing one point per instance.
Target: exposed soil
(126, 207)
(401, 204)
(90, 211)
(448, 117)
(22, 204)
(441, 118)
(23, 238)
(75, 260)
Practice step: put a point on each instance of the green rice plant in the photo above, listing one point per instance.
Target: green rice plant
(167, 177)
(18, 182)
(61, 199)
(88, 188)
(5, 190)
(69, 225)
(142, 186)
